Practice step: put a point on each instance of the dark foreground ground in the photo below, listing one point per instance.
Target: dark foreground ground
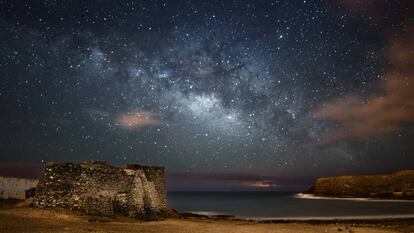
(26, 219)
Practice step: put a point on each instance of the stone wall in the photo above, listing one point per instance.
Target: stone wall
(16, 188)
(97, 188)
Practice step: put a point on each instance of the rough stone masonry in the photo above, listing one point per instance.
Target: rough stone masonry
(97, 188)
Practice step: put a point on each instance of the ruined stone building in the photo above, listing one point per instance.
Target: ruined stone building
(97, 188)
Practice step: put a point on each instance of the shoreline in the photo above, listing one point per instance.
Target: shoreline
(305, 196)
(309, 196)
(330, 219)
(28, 219)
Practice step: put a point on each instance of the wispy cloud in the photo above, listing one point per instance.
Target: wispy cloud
(233, 180)
(125, 120)
(220, 176)
(389, 107)
(134, 120)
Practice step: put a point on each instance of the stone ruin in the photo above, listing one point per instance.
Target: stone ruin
(98, 188)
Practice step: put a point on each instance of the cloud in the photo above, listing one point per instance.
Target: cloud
(382, 114)
(134, 120)
(388, 107)
(260, 184)
(219, 176)
(235, 180)
(126, 120)
(220, 181)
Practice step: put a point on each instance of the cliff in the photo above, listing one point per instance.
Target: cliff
(97, 188)
(399, 185)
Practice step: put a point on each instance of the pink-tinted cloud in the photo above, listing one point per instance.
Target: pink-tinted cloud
(389, 107)
(261, 184)
(381, 115)
(135, 120)
(238, 179)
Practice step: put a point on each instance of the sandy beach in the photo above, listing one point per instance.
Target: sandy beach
(27, 219)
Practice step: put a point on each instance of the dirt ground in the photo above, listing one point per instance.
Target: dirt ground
(26, 219)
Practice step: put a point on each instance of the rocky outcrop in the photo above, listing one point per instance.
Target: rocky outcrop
(399, 185)
(97, 188)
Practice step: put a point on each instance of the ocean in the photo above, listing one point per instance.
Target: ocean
(285, 205)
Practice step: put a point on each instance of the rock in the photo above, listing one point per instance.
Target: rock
(393, 186)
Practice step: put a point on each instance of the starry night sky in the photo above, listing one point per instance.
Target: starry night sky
(259, 94)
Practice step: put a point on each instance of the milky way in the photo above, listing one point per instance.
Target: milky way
(197, 86)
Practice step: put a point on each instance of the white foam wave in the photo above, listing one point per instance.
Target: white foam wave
(207, 213)
(318, 218)
(315, 197)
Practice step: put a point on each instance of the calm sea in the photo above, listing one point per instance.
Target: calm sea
(284, 205)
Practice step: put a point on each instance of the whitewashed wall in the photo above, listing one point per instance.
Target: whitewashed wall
(11, 187)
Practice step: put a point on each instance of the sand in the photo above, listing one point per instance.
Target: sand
(27, 219)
